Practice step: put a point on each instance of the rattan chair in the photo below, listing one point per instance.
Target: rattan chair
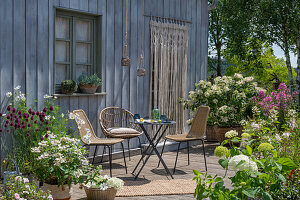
(118, 123)
(196, 132)
(85, 126)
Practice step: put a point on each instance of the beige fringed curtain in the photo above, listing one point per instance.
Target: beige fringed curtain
(169, 43)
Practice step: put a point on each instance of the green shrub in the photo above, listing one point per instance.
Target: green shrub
(92, 80)
(69, 86)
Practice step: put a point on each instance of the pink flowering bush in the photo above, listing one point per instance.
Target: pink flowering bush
(19, 188)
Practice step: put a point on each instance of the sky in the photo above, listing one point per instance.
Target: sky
(280, 54)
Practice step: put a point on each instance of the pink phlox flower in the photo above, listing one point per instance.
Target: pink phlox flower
(261, 94)
(17, 196)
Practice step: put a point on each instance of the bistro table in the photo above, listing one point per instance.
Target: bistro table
(152, 143)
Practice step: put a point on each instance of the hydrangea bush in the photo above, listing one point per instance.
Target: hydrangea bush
(19, 188)
(26, 126)
(59, 160)
(96, 180)
(228, 98)
(260, 172)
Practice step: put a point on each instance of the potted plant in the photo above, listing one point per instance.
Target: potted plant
(58, 162)
(19, 187)
(104, 187)
(68, 87)
(89, 84)
(229, 99)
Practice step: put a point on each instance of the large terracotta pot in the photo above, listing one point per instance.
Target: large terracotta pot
(58, 193)
(90, 89)
(97, 194)
(211, 134)
(220, 131)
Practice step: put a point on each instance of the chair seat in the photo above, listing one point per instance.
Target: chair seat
(120, 132)
(105, 141)
(181, 138)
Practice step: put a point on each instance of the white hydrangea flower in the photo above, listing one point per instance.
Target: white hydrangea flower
(286, 135)
(248, 79)
(277, 137)
(231, 134)
(8, 94)
(247, 165)
(254, 125)
(236, 75)
(115, 183)
(35, 150)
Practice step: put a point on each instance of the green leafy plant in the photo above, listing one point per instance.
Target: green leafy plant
(69, 86)
(19, 188)
(59, 160)
(92, 80)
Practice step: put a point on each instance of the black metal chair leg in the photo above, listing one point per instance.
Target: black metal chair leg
(176, 158)
(95, 153)
(188, 150)
(128, 149)
(124, 157)
(140, 145)
(204, 155)
(110, 158)
(104, 151)
(162, 152)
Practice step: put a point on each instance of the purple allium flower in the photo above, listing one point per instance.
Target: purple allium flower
(46, 136)
(19, 112)
(5, 125)
(33, 113)
(11, 124)
(1, 130)
(22, 122)
(32, 118)
(11, 114)
(37, 129)
(26, 120)
(17, 120)
(29, 111)
(1, 114)
(16, 126)
(47, 128)
(35, 121)
(23, 126)
(8, 108)
(51, 108)
(28, 134)
(47, 122)
(29, 130)
(8, 117)
(19, 126)
(6, 121)
(37, 113)
(15, 116)
(13, 110)
(42, 120)
(45, 110)
(8, 130)
(29, 125)
(42, 138)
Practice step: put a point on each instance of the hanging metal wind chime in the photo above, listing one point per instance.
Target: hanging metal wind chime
(125, 59)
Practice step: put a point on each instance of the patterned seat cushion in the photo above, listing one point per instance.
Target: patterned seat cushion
(121, 130)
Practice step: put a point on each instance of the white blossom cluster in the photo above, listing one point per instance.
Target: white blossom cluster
(105, 182)
(235, 163)
(231, 134)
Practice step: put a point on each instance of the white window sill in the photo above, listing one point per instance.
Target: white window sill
(80, 94)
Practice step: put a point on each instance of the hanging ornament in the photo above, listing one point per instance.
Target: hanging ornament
(125, 59)
(141, 71)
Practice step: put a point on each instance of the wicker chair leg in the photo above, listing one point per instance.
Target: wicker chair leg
(176, 157)
(128, 149)
(188, 150)
(162, 151)
(95, 154)
(124, 157)
(110, 158)
(204, 154)
(104, 151)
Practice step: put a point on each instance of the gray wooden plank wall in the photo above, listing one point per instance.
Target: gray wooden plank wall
(26, 49)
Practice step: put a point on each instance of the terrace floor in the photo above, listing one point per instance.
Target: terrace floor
(151, 172)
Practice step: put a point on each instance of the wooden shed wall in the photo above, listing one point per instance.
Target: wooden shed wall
(26, 49)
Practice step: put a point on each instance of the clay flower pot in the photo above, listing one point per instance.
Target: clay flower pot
(90, 89)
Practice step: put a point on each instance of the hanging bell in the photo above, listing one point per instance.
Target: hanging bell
(141, 72)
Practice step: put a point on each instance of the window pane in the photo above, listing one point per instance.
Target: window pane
(80, 69)
(83, 53)
(62, 73)
(83, 30)
(62, 51)
(62, 28)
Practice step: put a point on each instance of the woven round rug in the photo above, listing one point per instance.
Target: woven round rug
(158, 187)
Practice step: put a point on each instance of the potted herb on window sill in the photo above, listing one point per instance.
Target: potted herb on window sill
(68, 87)
(89, 84)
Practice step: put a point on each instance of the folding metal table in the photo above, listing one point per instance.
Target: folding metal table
(152, 144)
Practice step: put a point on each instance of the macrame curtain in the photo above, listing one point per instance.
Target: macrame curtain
(169, 43)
